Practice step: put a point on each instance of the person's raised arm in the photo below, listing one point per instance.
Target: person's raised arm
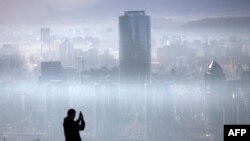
(82, 125)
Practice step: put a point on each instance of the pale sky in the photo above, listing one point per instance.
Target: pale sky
(91, 11)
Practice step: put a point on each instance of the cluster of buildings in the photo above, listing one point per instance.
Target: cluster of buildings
(175, 96)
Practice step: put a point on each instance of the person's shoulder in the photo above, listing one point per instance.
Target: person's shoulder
(66, 119)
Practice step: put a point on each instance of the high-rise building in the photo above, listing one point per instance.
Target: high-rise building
(107, 60)
(46, 51)
(215, 93)
(10, 62)
(135, 46)
(91, 59)
(45, 35)
(66, 53)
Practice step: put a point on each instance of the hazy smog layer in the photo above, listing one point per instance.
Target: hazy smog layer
(179, 74)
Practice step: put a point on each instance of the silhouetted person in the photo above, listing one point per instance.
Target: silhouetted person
(71, 127)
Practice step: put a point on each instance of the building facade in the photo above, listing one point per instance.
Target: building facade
(135, 46)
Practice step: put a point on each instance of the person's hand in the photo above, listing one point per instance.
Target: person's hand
(80, 115)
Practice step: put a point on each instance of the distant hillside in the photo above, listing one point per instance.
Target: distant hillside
(232, 25)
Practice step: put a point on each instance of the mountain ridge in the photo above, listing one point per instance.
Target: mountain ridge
(228, 25)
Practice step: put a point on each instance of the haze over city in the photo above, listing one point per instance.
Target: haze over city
(92, 11)
(139, 70)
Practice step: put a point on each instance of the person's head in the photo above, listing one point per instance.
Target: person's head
(71, 113)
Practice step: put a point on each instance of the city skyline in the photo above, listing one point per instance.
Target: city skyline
(180, 86)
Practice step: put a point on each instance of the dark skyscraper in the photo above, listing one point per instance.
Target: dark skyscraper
(135, 46)
(215, 95)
